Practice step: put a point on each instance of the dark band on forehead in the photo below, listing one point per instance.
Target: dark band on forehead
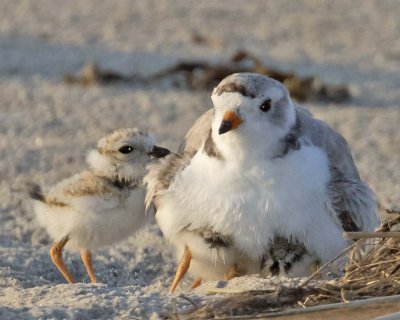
(233, 87)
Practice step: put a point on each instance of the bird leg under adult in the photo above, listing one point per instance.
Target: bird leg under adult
(86, 256)
(183, 267)
(233, 272)
(196, 283)
(57, 258)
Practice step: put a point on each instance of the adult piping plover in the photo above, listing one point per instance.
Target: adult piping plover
(260, 187)
(101, 205)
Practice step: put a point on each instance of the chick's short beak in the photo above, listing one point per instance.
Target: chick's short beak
(229, 122)
(159, 152)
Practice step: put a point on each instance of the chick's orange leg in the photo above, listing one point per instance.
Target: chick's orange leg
(57, 258)
(86, 256)
(183, 267)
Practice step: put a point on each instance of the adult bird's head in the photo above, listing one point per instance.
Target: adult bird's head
(252, 114)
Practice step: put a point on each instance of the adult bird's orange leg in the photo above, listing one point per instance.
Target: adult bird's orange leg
(232, 273)
(86, 256)
(182, 268)
(196, 283)
(56, 257)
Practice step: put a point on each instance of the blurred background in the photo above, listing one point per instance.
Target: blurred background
(72, 71)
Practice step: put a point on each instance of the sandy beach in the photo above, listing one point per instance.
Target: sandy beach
(47, 126)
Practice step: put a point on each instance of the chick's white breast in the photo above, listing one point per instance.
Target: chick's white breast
(96, 220)
(105, 227)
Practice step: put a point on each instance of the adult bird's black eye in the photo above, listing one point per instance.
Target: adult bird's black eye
(125, 149)
(266, 105)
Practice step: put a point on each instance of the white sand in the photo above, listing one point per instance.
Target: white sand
(47, 126)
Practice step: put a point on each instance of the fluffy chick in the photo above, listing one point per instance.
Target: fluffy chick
(101, 205)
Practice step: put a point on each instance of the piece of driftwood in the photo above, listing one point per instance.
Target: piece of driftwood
(390, 303)
(391, 316)
(203, 75)
(361, 309)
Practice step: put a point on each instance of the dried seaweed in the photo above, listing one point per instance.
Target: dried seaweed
(203, 75)
(92, 74)
(373, 271)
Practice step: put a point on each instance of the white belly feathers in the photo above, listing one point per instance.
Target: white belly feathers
(283, 196)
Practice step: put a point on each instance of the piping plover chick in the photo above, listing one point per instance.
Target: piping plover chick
(260, 187)
(101, 205)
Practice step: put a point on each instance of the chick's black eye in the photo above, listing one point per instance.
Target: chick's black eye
(266, 105)
(125, 149)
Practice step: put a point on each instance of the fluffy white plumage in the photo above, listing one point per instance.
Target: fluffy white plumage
(276, 173)
(93, 220)
(254, 204)
(103, 204)
(88, 207)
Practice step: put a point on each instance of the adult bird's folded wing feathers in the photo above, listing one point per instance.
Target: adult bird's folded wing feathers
(352, 202)
(198, 133)
(162, 173)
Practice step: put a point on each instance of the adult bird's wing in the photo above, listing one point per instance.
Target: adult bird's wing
(162, 173)
(352, 202)
(198, 133)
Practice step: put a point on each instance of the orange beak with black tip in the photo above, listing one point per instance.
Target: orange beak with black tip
(230, 121)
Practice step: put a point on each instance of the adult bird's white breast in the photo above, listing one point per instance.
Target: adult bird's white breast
(283, 196)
